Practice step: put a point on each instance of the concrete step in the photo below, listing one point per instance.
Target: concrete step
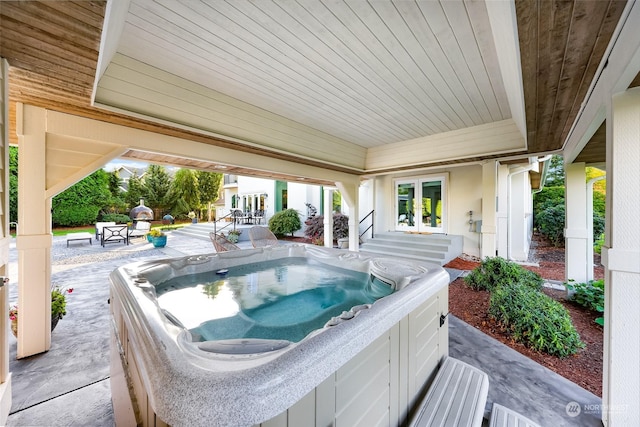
(435, 248)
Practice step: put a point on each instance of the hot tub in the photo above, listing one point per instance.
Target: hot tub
(387, 347)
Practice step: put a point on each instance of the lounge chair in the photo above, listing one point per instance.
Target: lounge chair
(221, 243)
(141, 229)
(262, 237)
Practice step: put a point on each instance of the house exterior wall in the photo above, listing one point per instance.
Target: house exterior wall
(463, 194)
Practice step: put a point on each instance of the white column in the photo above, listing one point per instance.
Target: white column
(589, 209)
(328, 217)
(350, 192)
(489, 208)
(518, 191)
(501, 214)
(576, 232)
(621, 258)
(34, 235)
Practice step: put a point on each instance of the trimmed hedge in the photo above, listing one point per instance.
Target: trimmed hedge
(497, 271)
(535, 319)
(117, 218)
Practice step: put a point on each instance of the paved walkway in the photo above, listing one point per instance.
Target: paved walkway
(69, 384)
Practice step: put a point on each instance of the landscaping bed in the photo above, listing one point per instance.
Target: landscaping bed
(583, 368)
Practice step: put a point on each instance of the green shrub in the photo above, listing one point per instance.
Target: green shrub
(72, 216)
(597, 245)
(117, 218)
(548, 196)
(535, 319)
(285, 222)
(589, 295)
(497, 271)
(551, 222)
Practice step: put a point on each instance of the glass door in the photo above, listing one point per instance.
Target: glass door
(420, 205)
(432, 208)
(406, 206)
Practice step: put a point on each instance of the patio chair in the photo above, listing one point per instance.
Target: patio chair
(262, 237)
(221, 243)
(100, 225)
(115, 234)
(141, 229)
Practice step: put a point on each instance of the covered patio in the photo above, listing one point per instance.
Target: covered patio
(471, 95)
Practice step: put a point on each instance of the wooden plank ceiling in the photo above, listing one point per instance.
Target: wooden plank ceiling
(52, 49)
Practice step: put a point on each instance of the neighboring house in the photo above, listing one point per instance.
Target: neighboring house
(125, 174)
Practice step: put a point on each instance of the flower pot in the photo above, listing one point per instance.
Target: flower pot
(343, 243)
(149, 237)
(159, 242)
(14, 324)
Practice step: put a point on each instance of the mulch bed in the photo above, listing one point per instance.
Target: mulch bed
(583, 368)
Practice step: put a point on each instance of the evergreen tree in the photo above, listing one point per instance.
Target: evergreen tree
(208, 188)
(135, 191)
(183, 195)
(555, 173)
(157, 184)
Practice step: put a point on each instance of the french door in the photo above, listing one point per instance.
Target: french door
(420, 204)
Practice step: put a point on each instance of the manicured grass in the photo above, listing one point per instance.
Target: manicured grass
(65, 231)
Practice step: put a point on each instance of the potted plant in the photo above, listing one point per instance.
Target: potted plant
(234, 235)
(58, 308)
(158, 238)
(192, 215)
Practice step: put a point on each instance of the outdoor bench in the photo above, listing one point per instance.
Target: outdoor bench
(79, 236)
(456, 397)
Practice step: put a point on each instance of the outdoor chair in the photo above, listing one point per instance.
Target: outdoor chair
(99, 226)
(141, 229)
(115, 234)
(221, 243)
(262, 237)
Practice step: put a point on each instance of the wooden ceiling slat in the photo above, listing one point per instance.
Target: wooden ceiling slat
(60, 25)
(559, 59)
(555, 24)
(47, 82)
(527, 13)
(89, 12)
(64, 49)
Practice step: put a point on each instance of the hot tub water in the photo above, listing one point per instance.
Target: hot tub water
(266, 300)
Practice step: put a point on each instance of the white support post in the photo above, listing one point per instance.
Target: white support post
(328, 217)
(621, 258)
(350, 193)
(34, 234)
(501, 214)
(576, 233)
(489, 208)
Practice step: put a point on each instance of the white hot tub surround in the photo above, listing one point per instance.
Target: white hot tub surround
(159, 376)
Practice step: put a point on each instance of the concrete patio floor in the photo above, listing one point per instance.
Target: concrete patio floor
(69, 384)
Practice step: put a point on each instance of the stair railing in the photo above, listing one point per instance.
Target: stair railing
(234, 220)
(370, 214)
